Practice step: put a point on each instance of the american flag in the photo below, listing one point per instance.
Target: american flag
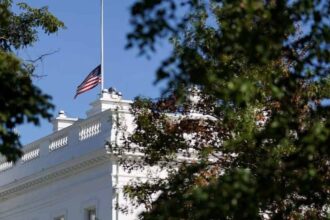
(92, 80)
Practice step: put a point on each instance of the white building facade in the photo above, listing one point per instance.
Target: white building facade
(69, 174)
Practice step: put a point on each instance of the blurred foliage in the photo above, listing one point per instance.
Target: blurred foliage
(20, 100)
(243, 129)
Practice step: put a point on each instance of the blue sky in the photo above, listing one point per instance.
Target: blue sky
(78, 53)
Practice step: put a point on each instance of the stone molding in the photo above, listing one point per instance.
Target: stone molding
(50, 175)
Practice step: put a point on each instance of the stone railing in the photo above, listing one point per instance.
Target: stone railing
(5, 165)
(58, 142)
(30, 155)
(73, 135)
(89, 130)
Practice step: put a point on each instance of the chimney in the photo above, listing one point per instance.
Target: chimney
(62, 121)
(109, 99)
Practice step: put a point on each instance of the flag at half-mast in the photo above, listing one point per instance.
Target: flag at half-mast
(91, 81)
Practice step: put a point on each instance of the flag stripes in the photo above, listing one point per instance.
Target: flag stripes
(91, 81)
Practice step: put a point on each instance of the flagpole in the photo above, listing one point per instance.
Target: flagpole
(102, 49)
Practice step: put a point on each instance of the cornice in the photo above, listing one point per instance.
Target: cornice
(52, 174)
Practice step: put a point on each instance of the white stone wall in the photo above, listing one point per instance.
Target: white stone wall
(69, 171)
(69, 196)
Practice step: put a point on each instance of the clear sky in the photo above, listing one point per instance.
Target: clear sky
(79, 52)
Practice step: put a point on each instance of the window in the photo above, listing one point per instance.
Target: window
(89, 209)
(59, 214)
(60, 218)
(91, 214)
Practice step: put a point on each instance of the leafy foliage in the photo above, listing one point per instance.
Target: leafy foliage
(254, 143)
(20, 100)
